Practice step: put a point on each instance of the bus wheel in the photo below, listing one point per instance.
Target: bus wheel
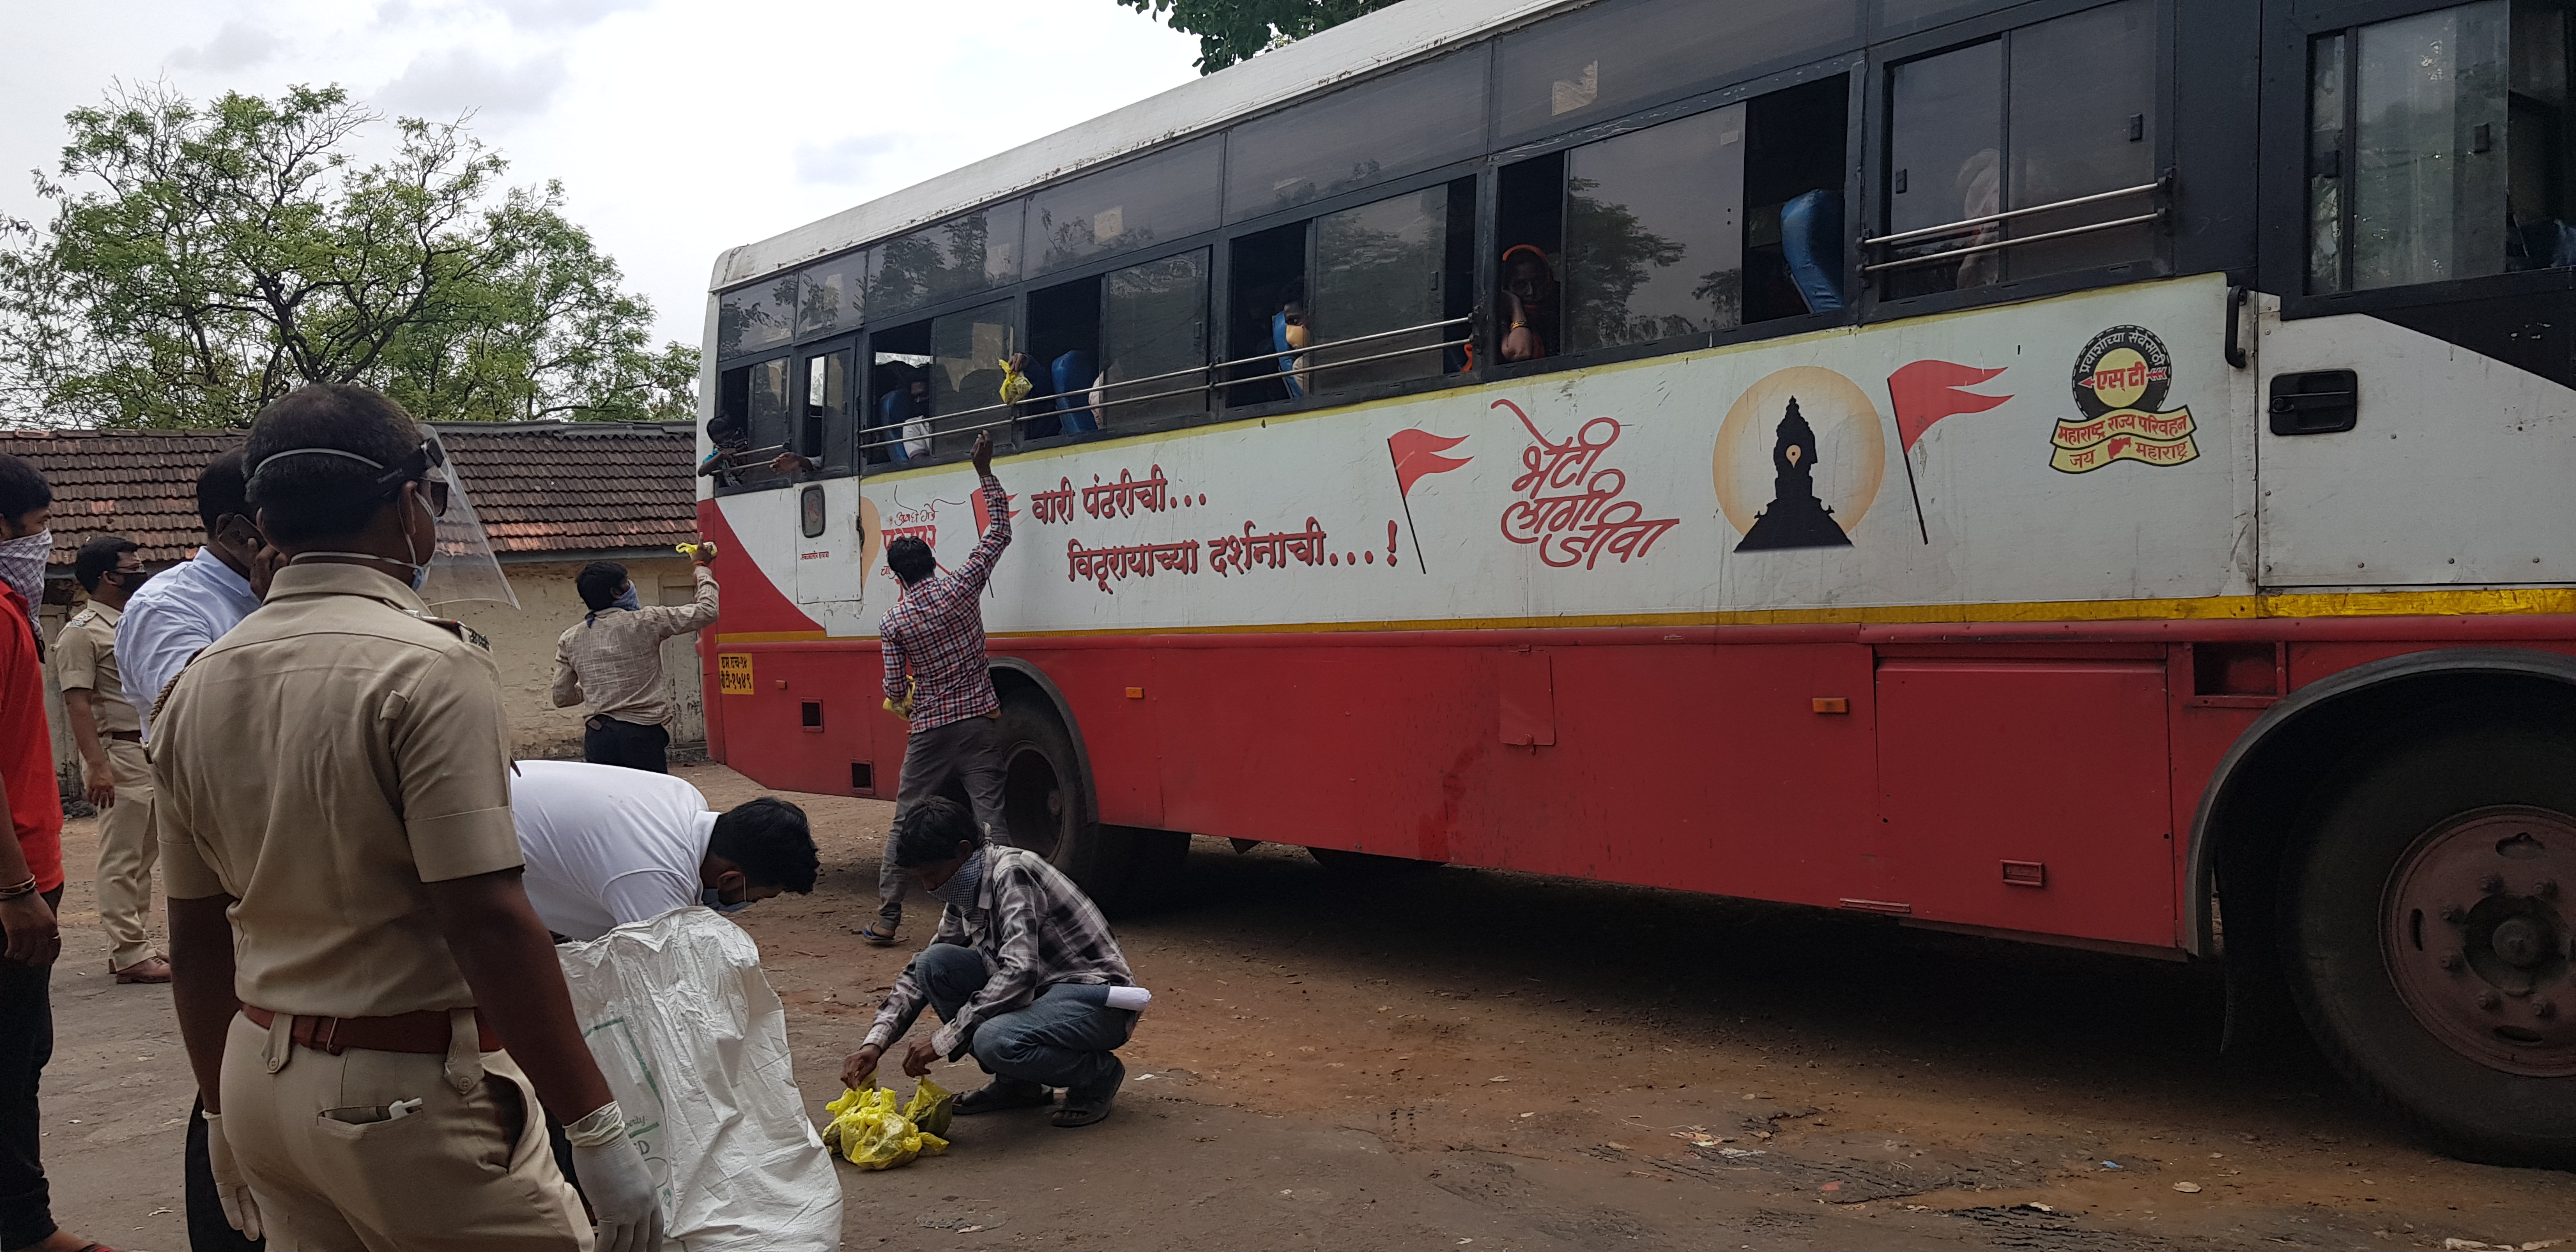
(2430, 921)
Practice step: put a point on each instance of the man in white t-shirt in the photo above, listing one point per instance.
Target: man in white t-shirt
(606, 846)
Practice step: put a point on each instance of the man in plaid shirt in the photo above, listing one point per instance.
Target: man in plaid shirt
(936, 631)
(1023, 972)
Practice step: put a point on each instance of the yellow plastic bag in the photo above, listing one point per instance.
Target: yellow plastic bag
(867, 1128)
(903, 708)
(1015, 385)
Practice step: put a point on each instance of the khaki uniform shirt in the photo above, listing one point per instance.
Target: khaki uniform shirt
(85, 659)
(321, 763)
(610, 663)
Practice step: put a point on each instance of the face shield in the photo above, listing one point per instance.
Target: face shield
(463, 567)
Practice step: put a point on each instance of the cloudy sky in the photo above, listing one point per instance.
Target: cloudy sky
(678, 127)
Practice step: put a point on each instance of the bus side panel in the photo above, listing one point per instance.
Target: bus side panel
(1115, 702)
(811, 714)
(2030, 795)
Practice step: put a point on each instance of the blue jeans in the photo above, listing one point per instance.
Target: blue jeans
(1062, 1039)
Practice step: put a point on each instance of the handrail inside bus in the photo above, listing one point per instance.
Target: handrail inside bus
(1949, 253)
(1273, 354)
(1929, 232)
(1213, 385)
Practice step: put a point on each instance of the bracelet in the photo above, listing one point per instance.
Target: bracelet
(1520, 326)
(26, 888)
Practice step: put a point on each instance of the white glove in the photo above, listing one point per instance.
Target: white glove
(614, 1180)
(240, 1208)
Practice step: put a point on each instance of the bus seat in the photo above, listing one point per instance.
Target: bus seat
(1071, 373)
(1811, 239)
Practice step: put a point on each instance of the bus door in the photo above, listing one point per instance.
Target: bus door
(830, 544)
(2415, 351)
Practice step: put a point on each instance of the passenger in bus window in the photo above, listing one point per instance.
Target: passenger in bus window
(1289, 336)
(1529, 304)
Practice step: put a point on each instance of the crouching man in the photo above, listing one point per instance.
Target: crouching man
(1023, 973)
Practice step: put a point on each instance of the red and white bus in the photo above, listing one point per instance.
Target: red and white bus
(2050, 470)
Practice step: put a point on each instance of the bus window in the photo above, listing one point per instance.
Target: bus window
(1266, 307)
(1387, 267)
(1169, 195)
(1153, 321)
(827, 296)
(958, 257)
(1955, 156)
(1620, 55)
(898, 395)
(751, 420)
(1401, 124)
(1529, 227)
(1793, 185)
(1945, 161)
(967, 351)
(2081, 134)
(826, 432)
(1064, 354)
(749, 319)
(1653, 245)
(2456, 163)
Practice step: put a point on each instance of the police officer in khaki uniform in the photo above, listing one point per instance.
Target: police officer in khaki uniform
(373, 1010)
(110, 738)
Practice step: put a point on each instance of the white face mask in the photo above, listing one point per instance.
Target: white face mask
(22, 564)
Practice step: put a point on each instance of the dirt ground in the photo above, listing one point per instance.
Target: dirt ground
(1483, 1060)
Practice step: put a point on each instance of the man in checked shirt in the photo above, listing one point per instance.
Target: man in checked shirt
(1023, 972)
(936, 631)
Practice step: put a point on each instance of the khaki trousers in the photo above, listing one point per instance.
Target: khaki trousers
(126, 853)
(469, 1169)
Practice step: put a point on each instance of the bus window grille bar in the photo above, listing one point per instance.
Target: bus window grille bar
(1967, 224)
(1930, 258)
(1201, 388)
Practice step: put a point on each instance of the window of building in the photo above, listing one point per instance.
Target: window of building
(755, 318)
(828, 296)
(1654, 247)
(2439, 147)
(1170, 195)
(1401, 124)
(1958, 153)
(964, 255)
(1617, 56)
(1153, 322)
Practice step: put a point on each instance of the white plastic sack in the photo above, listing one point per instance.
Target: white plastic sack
(694, 1044)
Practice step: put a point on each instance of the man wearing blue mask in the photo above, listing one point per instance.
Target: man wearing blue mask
(605, 848)
(610, 663)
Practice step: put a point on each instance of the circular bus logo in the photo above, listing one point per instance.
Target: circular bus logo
(2125, 367)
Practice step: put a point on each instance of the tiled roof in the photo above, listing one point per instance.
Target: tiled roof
(540, 487)
(578, 487)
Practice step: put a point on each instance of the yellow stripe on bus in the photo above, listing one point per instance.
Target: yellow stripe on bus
(2443, 603)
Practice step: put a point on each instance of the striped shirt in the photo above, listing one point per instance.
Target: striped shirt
(937, 630)
(1036, 930)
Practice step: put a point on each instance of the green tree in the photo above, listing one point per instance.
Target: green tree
(206, 259)
(1231, 30)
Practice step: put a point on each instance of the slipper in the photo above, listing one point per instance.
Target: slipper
(98, 1247)
(151, 969)
(870, 933)
(1090, 1104)
(1003, 1093)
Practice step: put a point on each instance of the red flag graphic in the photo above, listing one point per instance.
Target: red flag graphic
(1417, 452)
(1924, 392)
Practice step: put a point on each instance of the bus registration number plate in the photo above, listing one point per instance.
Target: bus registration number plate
(733, 673)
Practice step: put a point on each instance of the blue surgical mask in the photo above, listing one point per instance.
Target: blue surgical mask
(419, 577)
(714, 899)
(626, 600)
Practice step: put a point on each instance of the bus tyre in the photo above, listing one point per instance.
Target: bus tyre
(1045, 794)
(2427, 917)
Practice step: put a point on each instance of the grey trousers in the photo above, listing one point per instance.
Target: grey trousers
(967, 752)
(1062, 1039)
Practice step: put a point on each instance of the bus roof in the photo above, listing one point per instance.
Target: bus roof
(1387, 37)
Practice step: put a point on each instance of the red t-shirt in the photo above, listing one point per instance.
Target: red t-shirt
(27, 746)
